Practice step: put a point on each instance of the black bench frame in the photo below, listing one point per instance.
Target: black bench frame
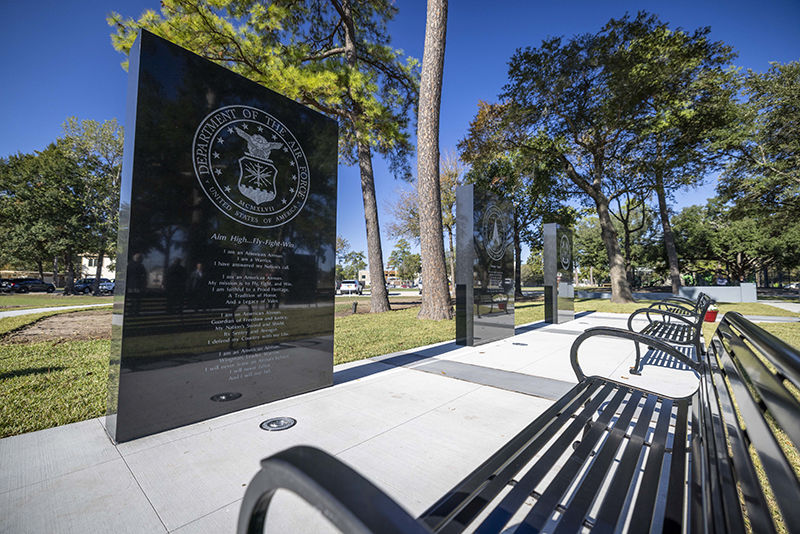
(675, 320)
(617, 468)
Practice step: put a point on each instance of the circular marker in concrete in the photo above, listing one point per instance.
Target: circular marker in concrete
(278, 423)
(223, 397)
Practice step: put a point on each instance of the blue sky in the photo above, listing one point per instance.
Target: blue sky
(57, 61)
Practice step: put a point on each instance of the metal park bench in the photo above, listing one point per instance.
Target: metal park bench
(606, 457)
(676, 320)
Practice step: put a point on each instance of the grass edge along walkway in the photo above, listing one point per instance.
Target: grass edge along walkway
(50, 384)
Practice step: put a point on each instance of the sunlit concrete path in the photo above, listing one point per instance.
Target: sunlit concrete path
(413, 422)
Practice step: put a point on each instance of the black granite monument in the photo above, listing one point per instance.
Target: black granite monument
(484, 266)
(559, 290)
(225, 265)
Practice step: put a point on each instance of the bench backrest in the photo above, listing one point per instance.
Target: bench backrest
(756, 381)
(700, 308)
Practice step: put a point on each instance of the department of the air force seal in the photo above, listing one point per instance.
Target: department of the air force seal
(565, 251)
(251, 166)
(493, 230)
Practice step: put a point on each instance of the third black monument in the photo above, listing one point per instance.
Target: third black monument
(559, 291)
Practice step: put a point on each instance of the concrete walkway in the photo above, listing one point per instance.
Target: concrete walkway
(793, 307)
(15, 313)
(414, 423)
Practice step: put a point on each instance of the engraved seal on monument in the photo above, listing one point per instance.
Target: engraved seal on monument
(250, 166)
(565, 252)
(493, 230)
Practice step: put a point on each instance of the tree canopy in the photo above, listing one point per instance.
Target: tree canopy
(97, 148)
(531, 184)
(763, 174)
(736, 245)
(332, 55)
(43, 207)
(599, 104)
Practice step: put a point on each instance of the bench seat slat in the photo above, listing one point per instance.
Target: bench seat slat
(509, 505)
(673, 513)
(464, 502)
(642, 516)
(579, 506)
(622, 483)
(543, 509)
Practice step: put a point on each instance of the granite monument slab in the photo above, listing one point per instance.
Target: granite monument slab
(484, 266)
(225, 264)
(559, 289)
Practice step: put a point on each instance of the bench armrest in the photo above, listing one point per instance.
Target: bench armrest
(664, 313)
(345, 498)
(626, 334)
(680, 300)
(673, 307)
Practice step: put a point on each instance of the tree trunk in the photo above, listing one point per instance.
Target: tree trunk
(69, 287)
(452, 283)
(99, 271)
(620, 290)
(41, 270)
(517, 261)
(55, 270)
(628, 262)
(379, 296)
(436, 302)
(669, 238)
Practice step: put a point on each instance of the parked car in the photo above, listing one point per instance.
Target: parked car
(107, 286)
(24, 285)
(84, 285)
(349, 287)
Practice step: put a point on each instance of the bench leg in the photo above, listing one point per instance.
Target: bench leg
(586, 430)
(635, 369)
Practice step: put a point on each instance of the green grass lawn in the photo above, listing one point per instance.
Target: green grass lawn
(43, 385)
(55, 383)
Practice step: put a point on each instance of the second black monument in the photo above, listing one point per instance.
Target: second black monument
(484, 266)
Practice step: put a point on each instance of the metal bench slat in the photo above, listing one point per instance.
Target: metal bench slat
(757, 508)
(673, 514)
(779, 473)
(722, 481)
(642, 516)
(713, 490)
(780, 403)
(587, 491)
(466, 500)
(499, 517)
(546, 504)
(622, 483)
